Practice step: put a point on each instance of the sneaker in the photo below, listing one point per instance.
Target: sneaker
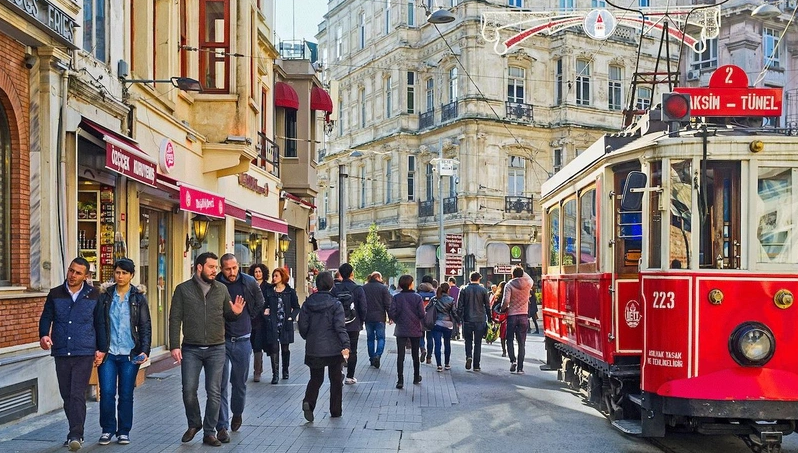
(440, 368)
(512, 367)
(350, 381)
(123, 439)
(75, 444)
(429, 360)
(477, 369)
(447, 367)
(468, 363)
(376, 362)
(105, 439)
(307, 411)
(520, 372)
(66, 443)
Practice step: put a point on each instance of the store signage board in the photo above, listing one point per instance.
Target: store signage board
(167, 155)
(201, 202)
(728, 94)
(49, 18)
(129, 164)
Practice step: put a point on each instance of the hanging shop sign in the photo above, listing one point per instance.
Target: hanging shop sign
(201, 202)
(122, 158)
(48, 18)
(167, 155)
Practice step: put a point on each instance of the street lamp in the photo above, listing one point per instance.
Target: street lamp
(766, 11)
(342, 175)
(182, 83)
(441, 16)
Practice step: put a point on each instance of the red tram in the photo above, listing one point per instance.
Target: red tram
(670, 269)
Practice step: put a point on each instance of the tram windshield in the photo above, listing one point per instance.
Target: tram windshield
(777, 215)
(681, 217)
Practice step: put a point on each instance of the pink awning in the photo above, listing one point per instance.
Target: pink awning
(267, 223)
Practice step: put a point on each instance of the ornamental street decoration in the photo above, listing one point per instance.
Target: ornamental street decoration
(509, 29)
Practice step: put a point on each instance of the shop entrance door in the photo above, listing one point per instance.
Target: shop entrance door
(154, 270)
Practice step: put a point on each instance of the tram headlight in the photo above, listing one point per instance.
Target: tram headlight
(752, 344)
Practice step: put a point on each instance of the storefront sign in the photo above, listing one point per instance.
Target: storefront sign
(251, 183)
(49, 18)
(516, 254)
(201, 202)
(167, 154)
(127, 163)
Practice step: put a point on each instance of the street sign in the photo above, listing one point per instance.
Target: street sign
(728, 94)
(454, 265)
(503, 269)
(454, 244)
(446, 167)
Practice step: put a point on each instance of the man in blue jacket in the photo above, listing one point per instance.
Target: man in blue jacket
(73, 328)
(351, 289)
(237, 345)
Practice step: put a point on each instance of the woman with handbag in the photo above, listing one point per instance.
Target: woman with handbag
(407, 312)
(443, 304)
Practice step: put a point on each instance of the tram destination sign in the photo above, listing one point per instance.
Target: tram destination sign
(728, 94)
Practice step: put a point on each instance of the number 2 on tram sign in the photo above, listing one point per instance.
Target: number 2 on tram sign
(728, 94)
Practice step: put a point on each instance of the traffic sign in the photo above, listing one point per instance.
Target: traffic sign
(503, 269)
(728, 94)
(454, 244)
(453, 265)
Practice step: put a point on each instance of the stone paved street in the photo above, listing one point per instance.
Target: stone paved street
(457, 410)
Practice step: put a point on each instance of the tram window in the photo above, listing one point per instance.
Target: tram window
(777, 214)
(554, 237)
(718, 218)
(655, 218)
(588, 242)
(681, 217)
(629, 229)
(569, 233)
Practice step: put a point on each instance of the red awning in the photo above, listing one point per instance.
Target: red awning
(267, 223)
(234, 211)
(330, 258)
(320, 100)
(285, 96)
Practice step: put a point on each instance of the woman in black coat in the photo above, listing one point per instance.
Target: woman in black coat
(407, 311)
(282, 308)
(322, 325)
(258, 338)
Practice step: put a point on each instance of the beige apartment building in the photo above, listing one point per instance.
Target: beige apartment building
(113, 152)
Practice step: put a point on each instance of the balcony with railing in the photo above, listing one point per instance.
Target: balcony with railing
(426, 119)
(268, 158)
(426, 208)
(518, 204)
(322, 223)
(518, 111)
(449, 111)
(450, 205)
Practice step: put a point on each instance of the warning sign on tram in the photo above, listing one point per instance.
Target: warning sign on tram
(728, 94)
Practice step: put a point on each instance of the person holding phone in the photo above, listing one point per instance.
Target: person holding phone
(129, 338)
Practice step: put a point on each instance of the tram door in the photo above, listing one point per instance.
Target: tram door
(720, 216)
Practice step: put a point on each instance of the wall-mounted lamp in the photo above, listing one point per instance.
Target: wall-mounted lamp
(200, 224)
(254, 243)
(285, 243)
(181, 83)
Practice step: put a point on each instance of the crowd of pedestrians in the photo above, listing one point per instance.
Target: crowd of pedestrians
(217, 321)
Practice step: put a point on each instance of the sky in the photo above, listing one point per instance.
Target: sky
(299, 19)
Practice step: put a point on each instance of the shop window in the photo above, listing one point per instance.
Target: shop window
(154, 269)
(214, 45)
(5, 199)
(94, 29)
(244, 255)
(554, 236)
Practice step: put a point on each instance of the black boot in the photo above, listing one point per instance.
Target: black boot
(275, 368)
(400, 382)
(286, 362)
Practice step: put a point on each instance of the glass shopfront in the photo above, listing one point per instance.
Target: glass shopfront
(154, 269)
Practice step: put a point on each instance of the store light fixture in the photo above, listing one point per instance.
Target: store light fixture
(284, 244)
(199, 224)
(254, 243)
(181, 83)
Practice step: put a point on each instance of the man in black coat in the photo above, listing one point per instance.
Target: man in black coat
(378, 301)
(353, 328)
(473, 308)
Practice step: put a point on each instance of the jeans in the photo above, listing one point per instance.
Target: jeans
(517, 326)
(426, 345)
(375, 335)
(400, 355)
(336, 387)
(351, 363)
(117, 376)
(442, 332)
(73, 377)
(473, 333)
(195, 359)
(236, 370)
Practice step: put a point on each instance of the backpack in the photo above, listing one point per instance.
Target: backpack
(348, 301)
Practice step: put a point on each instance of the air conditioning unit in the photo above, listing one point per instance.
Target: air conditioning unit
(693, 74)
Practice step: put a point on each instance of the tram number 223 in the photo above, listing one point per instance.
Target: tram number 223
(664, 299)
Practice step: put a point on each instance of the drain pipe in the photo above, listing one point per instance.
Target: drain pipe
(62, 226)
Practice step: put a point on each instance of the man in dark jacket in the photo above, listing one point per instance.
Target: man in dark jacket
(354, 327)
(378, 300)
(237, 345)
(201, 306)
(473, 309)
(326, 345)
(72, 326)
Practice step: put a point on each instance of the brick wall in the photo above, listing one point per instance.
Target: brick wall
(14, 97)
(19, 320)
